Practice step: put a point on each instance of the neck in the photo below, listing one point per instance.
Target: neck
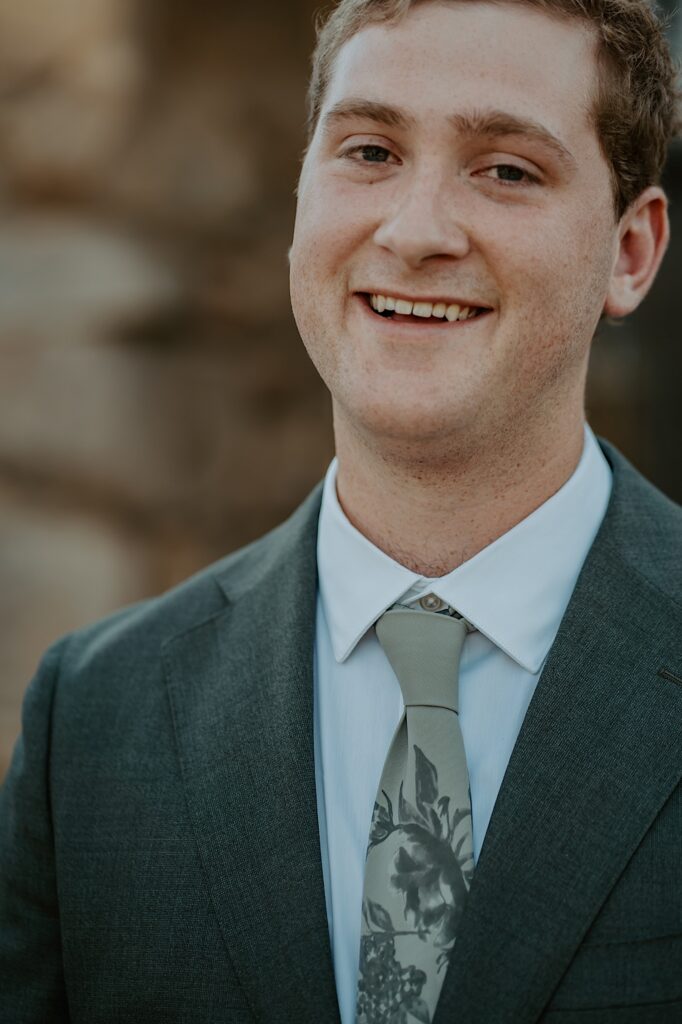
(433, 510)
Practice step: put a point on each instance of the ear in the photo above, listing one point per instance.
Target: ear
(643, 236)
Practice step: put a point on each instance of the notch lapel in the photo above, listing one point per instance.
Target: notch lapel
(597, 756)
(241, 691)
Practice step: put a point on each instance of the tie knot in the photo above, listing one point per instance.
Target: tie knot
(424, 650)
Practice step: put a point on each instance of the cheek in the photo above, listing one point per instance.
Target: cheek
(305, 302)
(329, 231)
(555, 281)
(560, 272)
(331, 216)
(312, 281)
(313, 253)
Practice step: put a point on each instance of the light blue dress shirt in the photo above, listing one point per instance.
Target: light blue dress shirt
(515, 592)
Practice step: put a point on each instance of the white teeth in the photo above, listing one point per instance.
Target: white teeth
(452, 312)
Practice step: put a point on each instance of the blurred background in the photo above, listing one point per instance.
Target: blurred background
(157, 408)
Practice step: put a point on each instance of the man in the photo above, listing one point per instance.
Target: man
(230, 803)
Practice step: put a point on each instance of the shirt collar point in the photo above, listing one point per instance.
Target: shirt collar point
(528, 653)
(343, 649)
(531, 660)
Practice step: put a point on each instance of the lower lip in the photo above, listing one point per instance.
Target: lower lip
(429, 326)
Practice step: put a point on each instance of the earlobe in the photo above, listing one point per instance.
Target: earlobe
(643, 238)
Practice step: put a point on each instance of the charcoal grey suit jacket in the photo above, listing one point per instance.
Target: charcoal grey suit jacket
(159, 849)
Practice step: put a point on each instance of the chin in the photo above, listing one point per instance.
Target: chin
(407, 423)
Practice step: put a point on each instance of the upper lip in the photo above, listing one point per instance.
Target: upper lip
(396, 293)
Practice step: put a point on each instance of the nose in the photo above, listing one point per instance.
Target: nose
(425, 221)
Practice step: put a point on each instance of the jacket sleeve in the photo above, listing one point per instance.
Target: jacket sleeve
(32, 988)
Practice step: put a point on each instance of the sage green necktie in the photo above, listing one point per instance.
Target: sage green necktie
(420, 854)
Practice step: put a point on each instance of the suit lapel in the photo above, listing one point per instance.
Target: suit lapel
(597, 756)
(241, 689)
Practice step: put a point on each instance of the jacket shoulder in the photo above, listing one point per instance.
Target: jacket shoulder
(643, 526)
(143, 628)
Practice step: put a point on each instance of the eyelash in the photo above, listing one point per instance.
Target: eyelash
(530, 179)
(367, 145)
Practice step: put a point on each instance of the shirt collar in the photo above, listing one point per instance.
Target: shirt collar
(515, 591)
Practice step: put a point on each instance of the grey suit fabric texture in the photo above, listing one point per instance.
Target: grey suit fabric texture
(159, 844)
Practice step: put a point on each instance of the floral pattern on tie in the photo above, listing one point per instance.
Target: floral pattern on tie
(433, 878)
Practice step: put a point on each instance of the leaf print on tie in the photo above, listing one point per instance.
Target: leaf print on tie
(382, 822)
(378, 916)
(426, 780)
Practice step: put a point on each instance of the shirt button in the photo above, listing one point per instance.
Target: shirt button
(431, 603)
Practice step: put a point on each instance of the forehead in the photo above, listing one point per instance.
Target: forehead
(446, 56)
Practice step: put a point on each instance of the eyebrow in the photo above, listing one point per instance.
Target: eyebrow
(381, 113)
(489, 123)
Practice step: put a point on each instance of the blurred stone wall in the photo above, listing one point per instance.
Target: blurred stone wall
(156, 406)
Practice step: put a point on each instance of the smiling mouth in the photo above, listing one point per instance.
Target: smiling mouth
(421, 312)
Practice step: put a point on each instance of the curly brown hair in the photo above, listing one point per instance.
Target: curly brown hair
(635, 112)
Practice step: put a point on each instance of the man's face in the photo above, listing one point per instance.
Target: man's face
(454, 164)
